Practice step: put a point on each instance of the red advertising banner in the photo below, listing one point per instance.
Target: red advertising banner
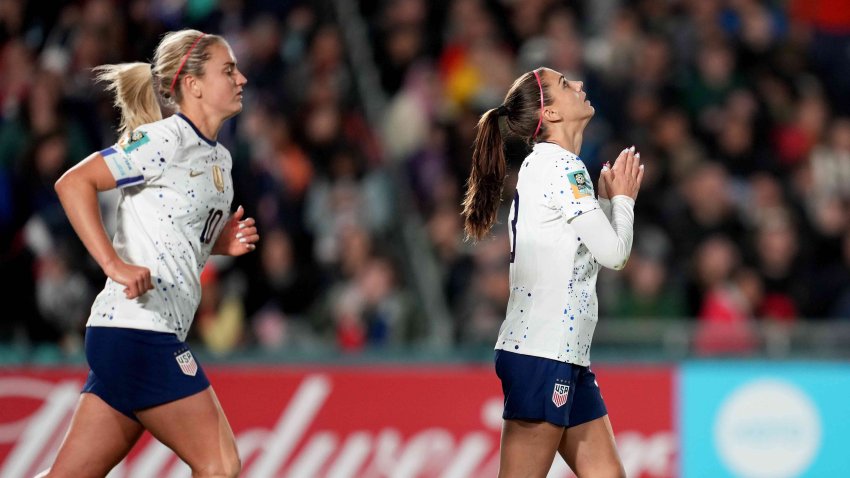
(367, 421)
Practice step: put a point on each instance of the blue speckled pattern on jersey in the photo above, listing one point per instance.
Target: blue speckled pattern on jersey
(160, 222)
(552, 310)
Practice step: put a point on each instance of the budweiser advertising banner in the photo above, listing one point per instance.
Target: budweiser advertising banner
(366, 421)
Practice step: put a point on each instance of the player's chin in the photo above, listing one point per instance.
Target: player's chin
(235, 109)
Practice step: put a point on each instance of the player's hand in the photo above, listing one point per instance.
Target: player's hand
(135, 279)
(625, 177)
(603, 182)
(238, 236)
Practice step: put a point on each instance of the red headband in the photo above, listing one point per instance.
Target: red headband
(540, 121)
(183, 63)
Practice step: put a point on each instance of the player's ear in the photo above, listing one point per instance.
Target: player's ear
(551, 114)
(193, 86)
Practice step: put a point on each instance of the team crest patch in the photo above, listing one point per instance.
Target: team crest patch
(133, 140)
(218, 178)
(580, 184)
(187, 363)
(560, 394)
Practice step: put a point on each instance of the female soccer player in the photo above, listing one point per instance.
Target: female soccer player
(560, 234)
(173, 213)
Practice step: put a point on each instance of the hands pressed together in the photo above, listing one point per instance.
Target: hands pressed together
(624, 178)
(237, 238)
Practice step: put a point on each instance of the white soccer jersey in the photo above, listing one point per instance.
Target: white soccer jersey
(176, 193)
(552, 311)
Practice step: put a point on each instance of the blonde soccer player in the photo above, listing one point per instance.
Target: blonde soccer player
(173, 213)
(560, 235)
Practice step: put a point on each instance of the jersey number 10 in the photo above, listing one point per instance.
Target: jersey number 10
(212, 223)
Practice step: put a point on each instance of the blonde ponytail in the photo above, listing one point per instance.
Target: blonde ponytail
(134, 93)
(139, 87)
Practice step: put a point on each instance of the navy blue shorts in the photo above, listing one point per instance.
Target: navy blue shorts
(540, 389)
(137, 369)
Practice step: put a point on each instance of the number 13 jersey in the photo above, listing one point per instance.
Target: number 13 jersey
(176, 192)
(552, 310)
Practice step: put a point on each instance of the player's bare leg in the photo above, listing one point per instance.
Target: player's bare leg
(590, 451)
(98, 438)
(528, 448)
(197, 430)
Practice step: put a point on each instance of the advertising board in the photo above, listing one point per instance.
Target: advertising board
(363, 421)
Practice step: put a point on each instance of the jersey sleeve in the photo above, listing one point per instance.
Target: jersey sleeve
(611, 239)
(140, 156)
(571, 189)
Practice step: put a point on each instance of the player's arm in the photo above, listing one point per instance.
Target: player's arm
(609, 242)
(607, 207)
(77, 190)
(611, 235)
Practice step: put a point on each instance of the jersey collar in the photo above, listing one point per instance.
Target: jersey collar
(548, 146)
(197, 131)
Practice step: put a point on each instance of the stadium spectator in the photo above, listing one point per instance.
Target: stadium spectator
(739, 108)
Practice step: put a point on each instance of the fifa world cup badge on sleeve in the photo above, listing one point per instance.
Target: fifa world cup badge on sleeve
(187, 363)
(133, 141)
(579, 184)
(560, 394)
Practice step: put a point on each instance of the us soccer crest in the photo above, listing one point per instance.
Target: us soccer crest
(580, 184)
(218, 178)
(560, 394)
(187, 363)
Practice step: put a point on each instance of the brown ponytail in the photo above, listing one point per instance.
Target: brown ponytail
(521, 110)
(484, 186)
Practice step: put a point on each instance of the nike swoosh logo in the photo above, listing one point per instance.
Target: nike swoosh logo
(192, 173)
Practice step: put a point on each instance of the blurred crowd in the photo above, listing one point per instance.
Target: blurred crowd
(740, 109)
